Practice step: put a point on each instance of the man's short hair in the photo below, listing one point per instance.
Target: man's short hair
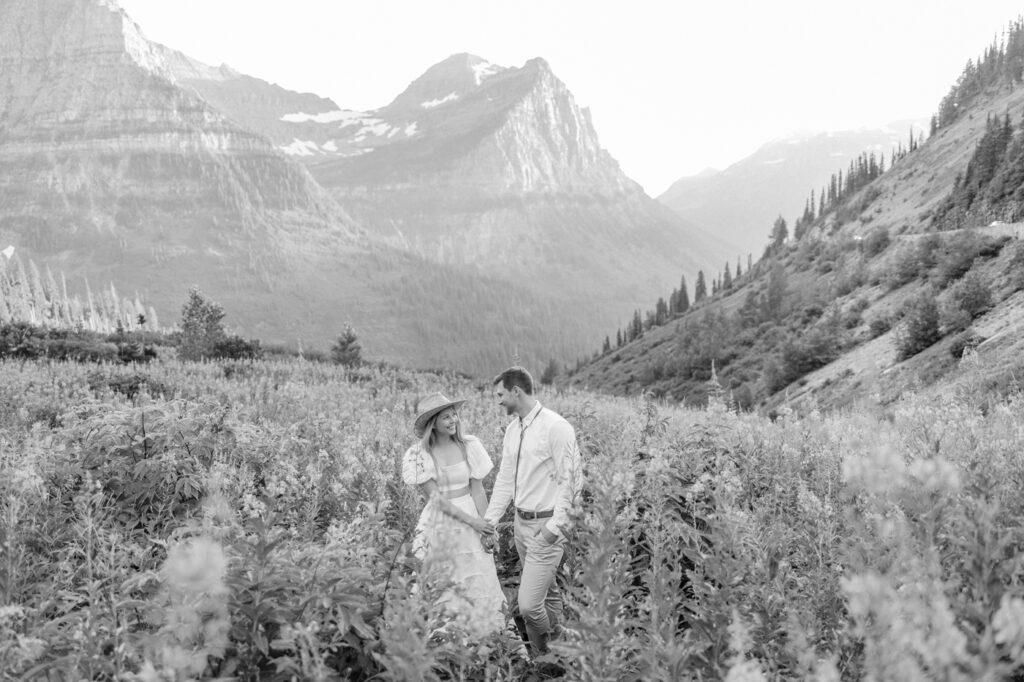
(515, 376)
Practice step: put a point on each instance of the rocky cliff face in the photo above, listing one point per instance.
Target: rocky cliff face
(90, 112)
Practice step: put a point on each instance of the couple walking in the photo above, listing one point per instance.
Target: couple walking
(539, 475)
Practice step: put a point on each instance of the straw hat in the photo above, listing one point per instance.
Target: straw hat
(430, 406)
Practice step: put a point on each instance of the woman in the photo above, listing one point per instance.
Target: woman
(450, 536)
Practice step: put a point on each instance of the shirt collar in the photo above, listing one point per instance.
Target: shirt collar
(530, 416)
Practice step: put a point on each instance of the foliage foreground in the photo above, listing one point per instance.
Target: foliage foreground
(247, 521)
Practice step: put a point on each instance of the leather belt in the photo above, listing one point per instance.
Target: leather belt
(458, 492)
(530, 515)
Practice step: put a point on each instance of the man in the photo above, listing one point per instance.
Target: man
(540, 475)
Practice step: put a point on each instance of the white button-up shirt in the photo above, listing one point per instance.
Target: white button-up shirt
(549, 468)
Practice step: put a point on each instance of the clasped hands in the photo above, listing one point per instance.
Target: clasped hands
(488, 533)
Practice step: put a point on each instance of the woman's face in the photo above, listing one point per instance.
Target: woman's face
(447, 422)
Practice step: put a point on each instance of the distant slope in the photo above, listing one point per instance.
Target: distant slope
(740, 203)
(873, 301)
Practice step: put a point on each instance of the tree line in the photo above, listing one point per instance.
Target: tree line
(40, 298)
(1001, 62)
(992, 185)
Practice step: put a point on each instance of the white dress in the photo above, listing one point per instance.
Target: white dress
(449, 549)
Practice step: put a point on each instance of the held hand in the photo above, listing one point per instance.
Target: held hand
(481, 526)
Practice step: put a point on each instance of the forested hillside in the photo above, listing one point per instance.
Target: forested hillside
(890, 273)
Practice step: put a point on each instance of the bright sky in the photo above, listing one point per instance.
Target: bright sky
(674, 86)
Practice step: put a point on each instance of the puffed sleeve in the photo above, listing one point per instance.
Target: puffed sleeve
(479, 461)
(417, 467)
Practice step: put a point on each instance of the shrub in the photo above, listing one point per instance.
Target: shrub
(20, 340)
(1017, 266)
(972, 294)
(906, 267)
(84, 350)
(879, 326)
(876, 242)
(953, 318)
(920, 326)
(237, 348)
(860, 305)
(958, 253)
(967, 339)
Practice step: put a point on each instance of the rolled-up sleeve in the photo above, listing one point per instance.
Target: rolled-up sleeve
(565, 459)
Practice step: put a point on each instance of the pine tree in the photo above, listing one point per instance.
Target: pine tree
(638, 325)
(20, 302)
(727, 278)
(52, 294)
(776, 292)
(780, 232)
(549, 374)
(346, 349)
(660, 312)
(700, 292)
(683, 301)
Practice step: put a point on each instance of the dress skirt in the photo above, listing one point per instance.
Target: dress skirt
(453, 557)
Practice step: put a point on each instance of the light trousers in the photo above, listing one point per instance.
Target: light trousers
(540, 603)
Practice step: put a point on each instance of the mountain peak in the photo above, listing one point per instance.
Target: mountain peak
(446, 81)
(538, 64)
(37, 29)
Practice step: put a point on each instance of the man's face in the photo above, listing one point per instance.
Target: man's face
(506, 398)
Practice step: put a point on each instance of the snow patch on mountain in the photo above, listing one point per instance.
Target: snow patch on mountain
(347, 116)
(373, 126)
(451, 97)
(410, 129)
(301, 148)
(483, 69)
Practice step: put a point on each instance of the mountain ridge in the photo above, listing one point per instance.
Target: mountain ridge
(127, 161)
(743, 200)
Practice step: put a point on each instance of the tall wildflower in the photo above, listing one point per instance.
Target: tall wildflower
(741, 641)
(196, 621)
